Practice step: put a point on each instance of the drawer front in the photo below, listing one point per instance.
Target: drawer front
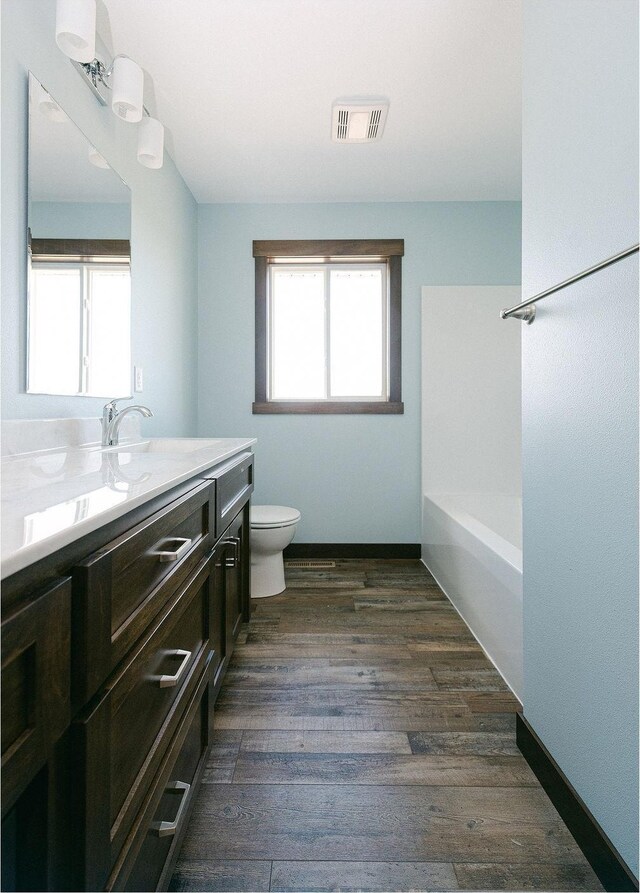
(123, 737)
(36, 665)
(144, 693)
(163, 827)
(119, 590)
(234, 485)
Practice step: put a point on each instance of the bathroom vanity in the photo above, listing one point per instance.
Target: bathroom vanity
(126, 581)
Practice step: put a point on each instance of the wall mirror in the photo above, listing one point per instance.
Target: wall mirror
(79, 277)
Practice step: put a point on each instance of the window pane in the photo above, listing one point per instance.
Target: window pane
(109, 337)
(357, 331)
(54, 330)
(297, 335)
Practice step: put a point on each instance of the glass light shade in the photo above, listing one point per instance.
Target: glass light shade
(97, 159)
(46, 104)
(151, 143)
(76, 29)
(127, 88)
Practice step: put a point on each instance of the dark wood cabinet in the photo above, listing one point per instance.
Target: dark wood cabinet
(36, 643)
(164, 821)
(109, 677)
(122, 586)
(236, 580)
(234, 484)
(219, 613)
(119, 740)
(231, 595)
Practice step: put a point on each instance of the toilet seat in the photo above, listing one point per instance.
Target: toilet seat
(262, 517)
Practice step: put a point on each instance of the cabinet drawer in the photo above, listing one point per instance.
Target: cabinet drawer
(35, 686)
(119, 589)
(234, 485)
(122, 739)
(163, 825)
(144, 692)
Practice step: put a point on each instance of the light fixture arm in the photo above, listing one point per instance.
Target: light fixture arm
(96, 73)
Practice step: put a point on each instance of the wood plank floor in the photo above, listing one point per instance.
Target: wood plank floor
(363, 741)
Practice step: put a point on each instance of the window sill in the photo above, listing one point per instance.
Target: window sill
(329, 408)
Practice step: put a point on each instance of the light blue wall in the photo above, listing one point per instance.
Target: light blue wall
(580, 401)
(75, 220)
(354, 478)
(164, 236)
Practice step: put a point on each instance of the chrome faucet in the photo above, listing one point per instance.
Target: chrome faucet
(112, 419)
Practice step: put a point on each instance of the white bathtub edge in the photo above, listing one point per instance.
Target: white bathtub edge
(496, 542)
(460, 614)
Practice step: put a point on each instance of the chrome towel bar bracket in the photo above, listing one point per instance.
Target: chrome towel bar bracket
(526, 314)
(526, 311)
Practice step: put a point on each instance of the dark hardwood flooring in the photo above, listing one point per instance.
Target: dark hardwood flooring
(363, 741)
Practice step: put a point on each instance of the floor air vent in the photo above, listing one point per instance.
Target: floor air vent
(311, 565)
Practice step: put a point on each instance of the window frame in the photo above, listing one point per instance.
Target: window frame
(301, 251)
(87, 257)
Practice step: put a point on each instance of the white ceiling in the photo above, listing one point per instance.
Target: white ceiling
(245, 88)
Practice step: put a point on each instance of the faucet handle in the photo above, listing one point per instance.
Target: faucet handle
(109, 410)
(109, 413)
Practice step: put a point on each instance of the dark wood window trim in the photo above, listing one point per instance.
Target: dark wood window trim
(324, 251)
(68, 250)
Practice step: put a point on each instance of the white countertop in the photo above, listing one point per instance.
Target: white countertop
(53, 497)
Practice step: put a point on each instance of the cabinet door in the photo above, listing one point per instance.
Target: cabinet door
(217, 615)
(35, 686)
(235, 541)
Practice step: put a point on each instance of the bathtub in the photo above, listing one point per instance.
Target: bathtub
(472, 544)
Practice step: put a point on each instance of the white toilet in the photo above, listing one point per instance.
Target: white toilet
(272, 529)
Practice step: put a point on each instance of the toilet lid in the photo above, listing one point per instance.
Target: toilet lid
(273, 515)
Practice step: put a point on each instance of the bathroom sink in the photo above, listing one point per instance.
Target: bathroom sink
(169, 445)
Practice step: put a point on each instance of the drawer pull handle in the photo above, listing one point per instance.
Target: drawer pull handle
(171, 681)
(235, 542)
(176, 554)
(168, 829)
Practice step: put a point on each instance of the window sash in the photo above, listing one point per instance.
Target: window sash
(86, 269)
(311, 265)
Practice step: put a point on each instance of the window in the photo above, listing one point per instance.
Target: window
(79, 325)
(328, 326)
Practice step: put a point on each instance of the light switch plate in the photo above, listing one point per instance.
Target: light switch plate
(137, 379)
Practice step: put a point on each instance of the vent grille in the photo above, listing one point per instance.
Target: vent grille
(374, 123)
(358, 120)
(343, 120)
(316, 565)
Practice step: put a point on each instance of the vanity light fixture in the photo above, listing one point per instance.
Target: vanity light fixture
(76, 37)
(151, 143)
(46, 103)
(98, 160)
(127, 86)
(76, 29)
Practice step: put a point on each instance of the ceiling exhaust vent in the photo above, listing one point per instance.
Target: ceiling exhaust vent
(358, 120)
